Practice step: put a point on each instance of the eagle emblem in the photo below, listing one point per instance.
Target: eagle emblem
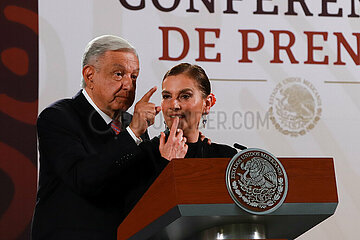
(256, 181)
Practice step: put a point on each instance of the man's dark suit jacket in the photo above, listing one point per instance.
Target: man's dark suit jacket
(89, 178)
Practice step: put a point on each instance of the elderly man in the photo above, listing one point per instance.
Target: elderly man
(92, 171)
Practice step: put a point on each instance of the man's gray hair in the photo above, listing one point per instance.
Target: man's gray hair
(98, 46)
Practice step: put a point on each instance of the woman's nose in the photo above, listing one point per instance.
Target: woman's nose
(175, 104)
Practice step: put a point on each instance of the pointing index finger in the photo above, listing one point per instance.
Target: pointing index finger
(148, 95)
(174, 127)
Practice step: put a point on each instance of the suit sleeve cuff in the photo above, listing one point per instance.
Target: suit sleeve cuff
(136, 139)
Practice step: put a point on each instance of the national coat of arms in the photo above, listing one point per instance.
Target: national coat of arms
(256, 181)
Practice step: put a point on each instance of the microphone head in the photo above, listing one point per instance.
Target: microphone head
(240, 147)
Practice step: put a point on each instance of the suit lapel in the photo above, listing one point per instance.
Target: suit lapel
(95, 122)
(90, 117)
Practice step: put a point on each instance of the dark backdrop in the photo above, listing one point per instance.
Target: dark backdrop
(18, 112)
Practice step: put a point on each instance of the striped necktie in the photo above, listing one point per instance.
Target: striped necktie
(116, 126)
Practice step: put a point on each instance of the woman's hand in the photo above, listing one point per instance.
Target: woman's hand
(175, 146)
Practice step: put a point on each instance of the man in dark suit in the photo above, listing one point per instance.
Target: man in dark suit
(92, 171)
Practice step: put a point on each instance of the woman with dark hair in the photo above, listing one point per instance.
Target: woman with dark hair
(186, 100)
(186, 94)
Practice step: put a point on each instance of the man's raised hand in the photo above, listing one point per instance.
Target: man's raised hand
(144, 114)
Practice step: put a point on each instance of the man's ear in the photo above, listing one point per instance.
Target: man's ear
(88, 74)
(208, 101)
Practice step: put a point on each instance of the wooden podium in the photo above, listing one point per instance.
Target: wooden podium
(190, 196)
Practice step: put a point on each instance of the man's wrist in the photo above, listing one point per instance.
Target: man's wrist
(135, 130)
(137, 140)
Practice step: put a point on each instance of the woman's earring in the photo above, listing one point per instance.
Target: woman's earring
(204, 120)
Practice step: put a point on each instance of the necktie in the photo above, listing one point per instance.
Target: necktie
(116, 126)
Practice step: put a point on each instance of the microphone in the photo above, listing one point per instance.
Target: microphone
(238, 146)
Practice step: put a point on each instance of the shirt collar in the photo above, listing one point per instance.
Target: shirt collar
(106, 118)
